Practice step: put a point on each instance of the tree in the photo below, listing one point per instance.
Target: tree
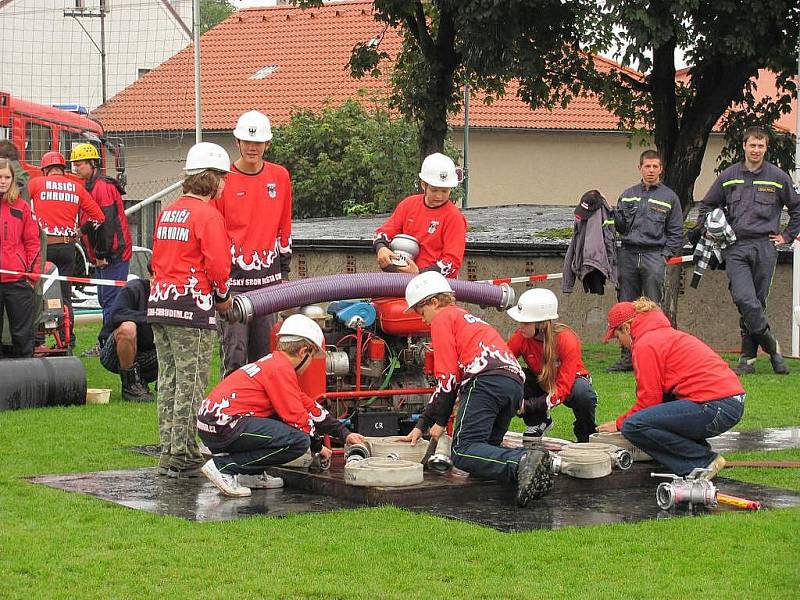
(347, 159)
(448, 42)
(726, 42)
(213, 12)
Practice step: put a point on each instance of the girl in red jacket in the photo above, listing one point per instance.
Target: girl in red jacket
(555, 373)
(685, 392)
(19, 251)
(191, 265)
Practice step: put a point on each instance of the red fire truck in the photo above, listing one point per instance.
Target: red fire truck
(36, 128)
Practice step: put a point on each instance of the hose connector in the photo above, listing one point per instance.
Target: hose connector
(356, 452)
(242, 309)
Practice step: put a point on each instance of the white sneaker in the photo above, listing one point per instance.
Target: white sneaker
(227, 484)
(261, 482)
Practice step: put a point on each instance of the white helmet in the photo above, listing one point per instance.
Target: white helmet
(425, 285)
(253, 126)
(300, 327)
(205, 155)
(535, 306)
(439, 170)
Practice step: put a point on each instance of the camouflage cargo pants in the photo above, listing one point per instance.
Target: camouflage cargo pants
(184, 360)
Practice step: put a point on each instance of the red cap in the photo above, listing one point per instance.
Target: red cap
(619, 314)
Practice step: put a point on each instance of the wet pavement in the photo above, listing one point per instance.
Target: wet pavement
(622, 497)
(778, 438)
(194, 499)
(490, 504)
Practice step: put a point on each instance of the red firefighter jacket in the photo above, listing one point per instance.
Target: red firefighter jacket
(268, 388)
(568, 355)
(668, 361)
(19, 240)
(441, 233)
(257, 210)
(57, 200)
(112, 240)
(190, 265)
(464, 347)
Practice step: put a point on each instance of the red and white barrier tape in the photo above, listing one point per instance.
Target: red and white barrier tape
(52, 277)
(675, 260)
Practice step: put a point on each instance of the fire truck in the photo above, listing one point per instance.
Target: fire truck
(36, 128)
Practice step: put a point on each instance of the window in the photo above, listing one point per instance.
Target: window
(141, 72)
(38, 140)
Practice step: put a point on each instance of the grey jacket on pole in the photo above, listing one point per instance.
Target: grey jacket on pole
(592, 248)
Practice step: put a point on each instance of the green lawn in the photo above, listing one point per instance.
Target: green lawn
(61, 545)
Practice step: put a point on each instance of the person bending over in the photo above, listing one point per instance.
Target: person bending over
(555, 373)
(685, 392)
(258, 416)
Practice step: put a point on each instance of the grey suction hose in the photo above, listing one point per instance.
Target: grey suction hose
(311, 290)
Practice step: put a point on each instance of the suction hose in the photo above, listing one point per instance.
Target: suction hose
(311, 290)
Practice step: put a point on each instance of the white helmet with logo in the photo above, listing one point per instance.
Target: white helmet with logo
(535, 306)
(205, 155)
(253, 126)
(425, 285)
(439, 170)
(300, 327)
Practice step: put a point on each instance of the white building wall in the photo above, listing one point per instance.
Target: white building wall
(48, 58)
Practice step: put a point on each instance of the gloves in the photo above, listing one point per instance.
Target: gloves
(694, 235)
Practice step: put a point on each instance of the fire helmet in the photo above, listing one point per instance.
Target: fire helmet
(439, 170)
(535, 306)
(84, 152)
(53, 159)
(205, 155)
(425, 285)
(253, 126)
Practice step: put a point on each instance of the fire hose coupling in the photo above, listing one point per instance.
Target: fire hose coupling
(622, 459)
(356, 452)
(508, 298)
(440, 461)
(679, 491)
(555, 463)
(242, 310)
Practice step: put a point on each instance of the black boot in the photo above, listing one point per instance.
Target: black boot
(624, 364)
(771, 347)
(747, 359)
(133, 388)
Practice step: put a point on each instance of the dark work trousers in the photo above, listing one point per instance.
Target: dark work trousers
(243, 343)
(674, 433)
(582, 400)
(17, 299)
(106, 294)
(641, 272)
(750, 265)
(257, 443)
(63, 257)
(487, 404)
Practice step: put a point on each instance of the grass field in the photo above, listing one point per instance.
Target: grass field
(55, 544)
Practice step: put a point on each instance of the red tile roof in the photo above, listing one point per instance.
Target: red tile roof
(311, 49)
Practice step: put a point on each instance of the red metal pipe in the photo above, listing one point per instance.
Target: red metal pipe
(370, 393)
(358, 357)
